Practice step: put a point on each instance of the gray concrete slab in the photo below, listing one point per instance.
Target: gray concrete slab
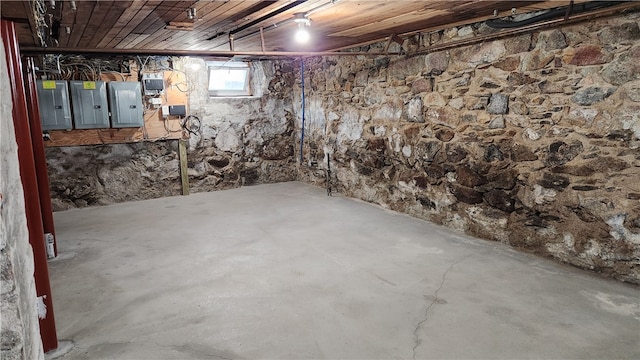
(282, 271)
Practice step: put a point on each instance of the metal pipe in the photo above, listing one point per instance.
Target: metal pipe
(38, 151)
(267, 16)
(283, 22)
(302, 127)
(29, 183)
(256, 21)
(32, 50)
(551, 14)
(272, 26)
(328, 174)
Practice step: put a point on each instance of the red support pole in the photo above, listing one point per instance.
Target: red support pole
(29, 182)
(38, 152)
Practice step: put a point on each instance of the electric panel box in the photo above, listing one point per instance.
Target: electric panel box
(89, 104)
(125, 102)
(153, 83)
(53, 101)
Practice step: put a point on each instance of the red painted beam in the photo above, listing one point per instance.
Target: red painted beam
(38, 152)
(29, 182)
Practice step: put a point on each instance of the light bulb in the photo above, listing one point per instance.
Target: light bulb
(191, 13)
(302, 35)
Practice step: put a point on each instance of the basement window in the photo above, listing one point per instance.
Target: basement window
(229, 78)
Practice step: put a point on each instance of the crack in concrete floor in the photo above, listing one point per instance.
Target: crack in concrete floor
(416, 336)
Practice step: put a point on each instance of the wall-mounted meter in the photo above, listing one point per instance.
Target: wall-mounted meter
(53, 100)
(153, 84)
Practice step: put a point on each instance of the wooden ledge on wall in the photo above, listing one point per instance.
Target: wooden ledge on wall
(53, 138)
(93, 137)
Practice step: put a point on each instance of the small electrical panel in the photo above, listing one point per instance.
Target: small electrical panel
(153, 83)
(174, 110)
(125, 102)
(177, 110)
(53, 100)
(89, 104)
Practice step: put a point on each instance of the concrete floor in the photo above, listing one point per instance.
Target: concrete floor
(284, 272)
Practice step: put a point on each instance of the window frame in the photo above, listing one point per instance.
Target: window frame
(229, 65)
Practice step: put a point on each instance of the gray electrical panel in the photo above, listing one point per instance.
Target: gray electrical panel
(53, 100)
(89, 103)
(125, 102)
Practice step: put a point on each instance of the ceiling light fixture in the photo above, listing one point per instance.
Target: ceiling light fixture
(191, 13)
(302, 34)
(73, 5)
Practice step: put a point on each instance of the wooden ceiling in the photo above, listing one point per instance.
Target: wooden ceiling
(152, 24)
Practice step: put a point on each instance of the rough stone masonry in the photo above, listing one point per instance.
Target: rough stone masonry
(531, 140)
(242, 141)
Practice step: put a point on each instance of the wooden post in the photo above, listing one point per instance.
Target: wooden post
(184, 176)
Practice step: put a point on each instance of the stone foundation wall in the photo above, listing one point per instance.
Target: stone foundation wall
(531, 140)
(19, 331)
(103, 174)
(241, 141)
(244, 140)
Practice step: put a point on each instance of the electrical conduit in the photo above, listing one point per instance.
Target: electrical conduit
(302, 127)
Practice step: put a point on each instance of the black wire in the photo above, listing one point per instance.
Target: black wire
(191, 124)
(505, 24)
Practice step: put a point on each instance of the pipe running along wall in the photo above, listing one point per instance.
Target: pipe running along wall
(551, 14)
(303, 117)
(39, 155)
